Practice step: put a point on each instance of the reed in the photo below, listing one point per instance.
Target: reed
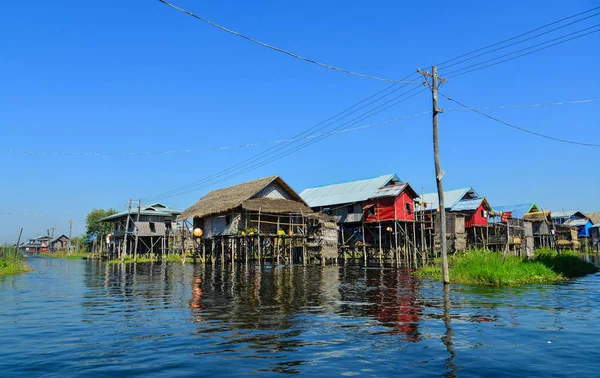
(12, 262)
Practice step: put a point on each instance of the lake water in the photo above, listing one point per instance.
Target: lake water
(79, 317)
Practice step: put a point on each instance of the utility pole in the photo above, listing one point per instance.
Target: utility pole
(137, 231)
(439, 173)
(126, 231)
(70, 232)
(50, 245)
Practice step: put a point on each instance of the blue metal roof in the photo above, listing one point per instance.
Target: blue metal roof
(466, 205)
(346, 192)
(451, 198)
(518, 211)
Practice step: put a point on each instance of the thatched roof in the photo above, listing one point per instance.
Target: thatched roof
(226, 199)
(594, 217)
(537, 216)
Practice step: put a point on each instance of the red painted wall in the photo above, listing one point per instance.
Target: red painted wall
(384, 208)
(475, 218)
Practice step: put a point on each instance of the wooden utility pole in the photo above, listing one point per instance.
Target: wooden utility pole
(125, 241)
(439, 173)
(70, 232)
(137, 231)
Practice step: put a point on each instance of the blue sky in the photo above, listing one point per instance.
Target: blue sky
(140, 76)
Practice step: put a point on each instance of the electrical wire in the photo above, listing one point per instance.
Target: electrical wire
(517, 36)
(528, 105)
(518, 127)
(221, 148)
(203, 184)
(519, 42)
(282, 50)
(519, 56)
(318, 127)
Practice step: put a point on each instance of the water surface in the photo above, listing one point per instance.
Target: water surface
(76, 317)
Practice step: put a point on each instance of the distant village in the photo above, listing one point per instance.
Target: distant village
(381, 218)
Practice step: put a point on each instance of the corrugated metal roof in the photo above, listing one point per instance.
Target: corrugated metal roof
(564, 214)
(517, 210)
(157, 209)
(349, 218)
(390, 191)
(466, 205)
(346, 192)
(577, 222)
(451, 198)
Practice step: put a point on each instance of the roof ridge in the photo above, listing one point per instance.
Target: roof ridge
(353, 181)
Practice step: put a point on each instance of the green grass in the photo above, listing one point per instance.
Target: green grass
(145, 259)
(567, 263)
(74, 255)
(486, 268)
(12, 262)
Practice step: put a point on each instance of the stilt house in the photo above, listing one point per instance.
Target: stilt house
(260, 219)
(375, 215)
(147, 227)
(573, 218)
(464, 201)
(516, 211)
(239, 208)
(60, 243)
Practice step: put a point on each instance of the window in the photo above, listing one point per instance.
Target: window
(350, 209)
(228, 219)
(152, 226)
(408, 209)
(372, 210)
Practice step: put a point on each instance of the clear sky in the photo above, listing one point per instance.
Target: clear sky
(115, 76)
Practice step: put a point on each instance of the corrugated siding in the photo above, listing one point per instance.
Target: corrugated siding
(273, 190)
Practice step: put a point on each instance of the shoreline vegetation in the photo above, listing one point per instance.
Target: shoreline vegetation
(147, 258)
(12, 262)
(481, 267)
(74, 255)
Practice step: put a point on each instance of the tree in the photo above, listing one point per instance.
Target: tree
(96, 230)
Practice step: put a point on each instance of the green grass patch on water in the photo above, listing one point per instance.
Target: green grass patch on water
(74, 255)
(486, 268)
(12, 262)
(145, 259)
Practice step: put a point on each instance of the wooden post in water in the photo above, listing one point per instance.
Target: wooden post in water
(364, 237)
(258, 237)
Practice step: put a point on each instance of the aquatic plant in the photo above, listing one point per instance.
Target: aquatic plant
(146, 258)
(74, 255)
(12, 262)
(568, 263)
(480, 267)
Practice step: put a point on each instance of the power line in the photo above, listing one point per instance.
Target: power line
(528, 105)
(202, 184)
(525, 54)
(517, 36)
(263, 44)
(281, 141)
(522, 41)
(520, 128)
(320, 126)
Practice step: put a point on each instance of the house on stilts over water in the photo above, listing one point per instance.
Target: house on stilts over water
(263, 220)
(142, 230)
(376, 217)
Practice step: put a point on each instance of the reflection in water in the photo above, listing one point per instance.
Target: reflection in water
(447, 338)
(97, 319)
